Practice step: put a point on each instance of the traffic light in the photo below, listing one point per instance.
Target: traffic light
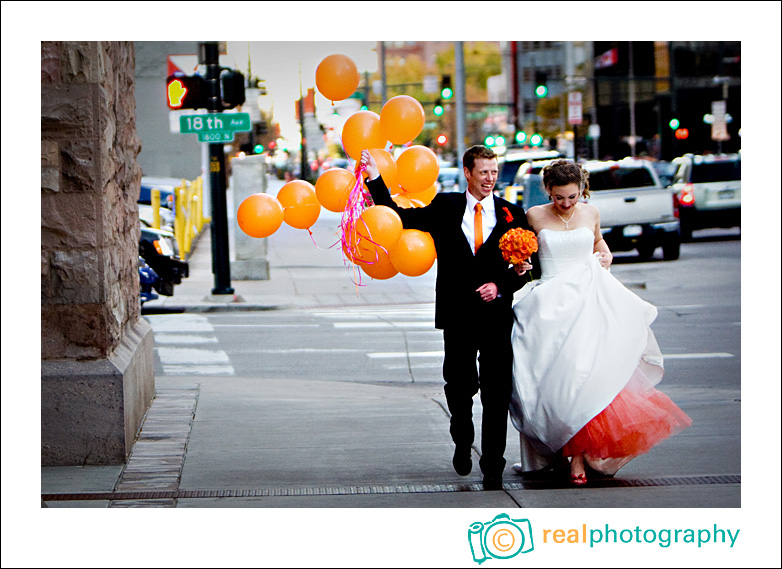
(258, 148)
(442, 139)
(186, 92)
(446, 91)
(681, 133)
(521, 137)
(232, 88)
(674, 124)
(536, 140)
(260, 128)
(438, 108)
(541, 90)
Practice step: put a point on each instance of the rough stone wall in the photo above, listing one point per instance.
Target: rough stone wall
(89, 186)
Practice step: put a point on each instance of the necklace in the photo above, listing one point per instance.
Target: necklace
(567, 221)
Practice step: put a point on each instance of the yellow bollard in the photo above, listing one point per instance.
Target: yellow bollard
(155, 199)
(200, 210)
(179, 221)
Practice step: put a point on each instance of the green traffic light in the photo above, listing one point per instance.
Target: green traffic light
(674, 124)
(536, 140)
(521, 136)
(438, 110)
(258, 148)
(489, 141)
(541, 91)
(447, 93)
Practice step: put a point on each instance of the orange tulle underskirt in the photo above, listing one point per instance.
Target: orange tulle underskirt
(634, 422)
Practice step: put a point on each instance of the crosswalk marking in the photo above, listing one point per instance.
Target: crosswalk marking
(173, 336)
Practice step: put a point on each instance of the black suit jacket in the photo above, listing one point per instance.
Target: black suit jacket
(459, 271)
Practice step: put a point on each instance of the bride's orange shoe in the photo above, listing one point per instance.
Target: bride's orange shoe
(578, 479)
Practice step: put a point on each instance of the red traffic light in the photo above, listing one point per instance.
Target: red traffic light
(186, 92)
(442, 139)
(681, 133)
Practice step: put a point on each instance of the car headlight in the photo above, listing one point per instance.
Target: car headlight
(163, 248)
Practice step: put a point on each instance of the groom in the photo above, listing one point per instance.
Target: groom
(474, 292)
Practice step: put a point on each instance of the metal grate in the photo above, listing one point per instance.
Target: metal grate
(403, 489)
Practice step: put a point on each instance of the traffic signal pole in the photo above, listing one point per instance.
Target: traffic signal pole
(221, 264)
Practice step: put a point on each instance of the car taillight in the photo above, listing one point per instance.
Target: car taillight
(675, 205)
(687, 197)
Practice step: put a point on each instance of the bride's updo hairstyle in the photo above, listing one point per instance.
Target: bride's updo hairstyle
(564, 172)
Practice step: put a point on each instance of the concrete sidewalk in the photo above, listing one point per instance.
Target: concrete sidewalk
(299, 443)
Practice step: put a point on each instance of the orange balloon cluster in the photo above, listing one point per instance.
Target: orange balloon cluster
(374, 238)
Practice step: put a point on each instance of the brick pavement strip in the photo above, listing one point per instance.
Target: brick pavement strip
(156, 461)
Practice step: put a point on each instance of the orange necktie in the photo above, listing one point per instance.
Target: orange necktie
(478, 227)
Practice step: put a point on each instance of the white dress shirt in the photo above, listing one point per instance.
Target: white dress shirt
(488, 216)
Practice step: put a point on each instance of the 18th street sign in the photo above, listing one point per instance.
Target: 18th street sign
(215, 127)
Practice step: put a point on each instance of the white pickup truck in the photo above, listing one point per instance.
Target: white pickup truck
(636, 211)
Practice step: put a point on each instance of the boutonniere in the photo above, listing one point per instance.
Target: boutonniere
(508, 216)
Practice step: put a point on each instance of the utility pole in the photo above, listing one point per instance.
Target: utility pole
(383, 73)
(221, 264)
(460, 94)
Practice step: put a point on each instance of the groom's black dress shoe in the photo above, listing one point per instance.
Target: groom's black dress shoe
(492, 482)
(462, 461)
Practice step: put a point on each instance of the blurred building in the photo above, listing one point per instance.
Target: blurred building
(630, 93)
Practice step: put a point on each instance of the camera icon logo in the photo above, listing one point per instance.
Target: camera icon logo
(501, 538)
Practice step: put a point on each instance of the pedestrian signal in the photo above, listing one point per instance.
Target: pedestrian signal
(186, 92)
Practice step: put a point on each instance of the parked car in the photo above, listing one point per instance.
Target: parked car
(510, 162)
(145, 215)
(709, 191)
(527, 187)
(636, 211)
(665, 171)
(149, 281)
(448, 180)
(166, 186)
(159, 249)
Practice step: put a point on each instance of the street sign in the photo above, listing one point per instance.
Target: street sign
(215, 127)
(574, 109)
(719, 125)
(215, 122)
(216, 136)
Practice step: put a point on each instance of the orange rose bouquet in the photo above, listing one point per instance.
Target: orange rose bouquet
(518, 245)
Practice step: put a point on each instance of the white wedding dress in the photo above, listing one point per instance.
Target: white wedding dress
(580, 339)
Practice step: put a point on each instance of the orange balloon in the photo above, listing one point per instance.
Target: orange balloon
(402, 201)
(425, 197)
(381, 225)
(414, 253)
(402, 119)
(336, 77)
(386, 165)
(259, 215)
(300, 205)
(360, 132)
(333, 188)
(417, 168)
(380, 268)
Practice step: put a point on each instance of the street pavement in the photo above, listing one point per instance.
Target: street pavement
(301, 443)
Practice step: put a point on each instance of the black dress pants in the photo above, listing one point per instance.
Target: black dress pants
(489, 342)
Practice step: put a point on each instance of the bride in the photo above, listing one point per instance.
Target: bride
(585, 358)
